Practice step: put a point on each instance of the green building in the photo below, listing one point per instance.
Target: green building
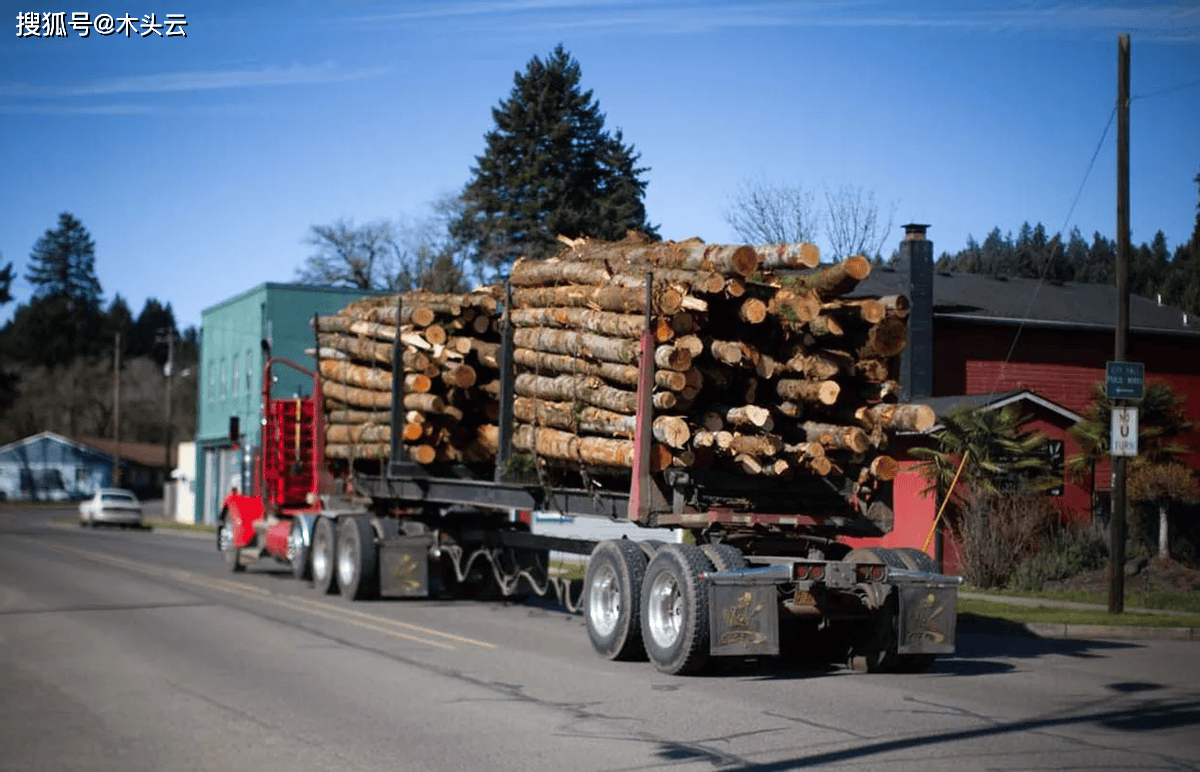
(236, 336)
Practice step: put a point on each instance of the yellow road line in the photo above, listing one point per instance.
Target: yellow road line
(306, 605)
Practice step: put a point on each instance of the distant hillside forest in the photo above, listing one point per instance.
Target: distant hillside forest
(1154, 271)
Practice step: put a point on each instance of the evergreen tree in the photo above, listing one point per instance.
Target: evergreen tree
(8, 381)
(63, 319)
(147, 335)
(549, 169)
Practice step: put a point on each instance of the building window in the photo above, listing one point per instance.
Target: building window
(224, 385)
(249, 372)
(234, 380)
(212, 381)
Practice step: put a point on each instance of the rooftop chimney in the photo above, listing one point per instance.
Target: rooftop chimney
(916, 363)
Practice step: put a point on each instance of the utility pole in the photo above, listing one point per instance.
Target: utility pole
(170, 373)
(116, 470)
(1116, 589)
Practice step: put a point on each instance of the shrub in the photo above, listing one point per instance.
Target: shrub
(997, 530)
(1065, 552)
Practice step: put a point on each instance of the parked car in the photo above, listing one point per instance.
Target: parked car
(111, 506)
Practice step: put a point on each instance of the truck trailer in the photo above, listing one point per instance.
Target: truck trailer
(764, 571)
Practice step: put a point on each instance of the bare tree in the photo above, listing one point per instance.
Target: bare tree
(350, 256)
(426, 256)
(769, 213)
(852, 222)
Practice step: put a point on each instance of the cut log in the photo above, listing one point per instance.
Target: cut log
(665, 298)
(886, 339)
(673, 358)
(851, 438)
(908, 417)
(343, 416)
(693, 255)
(752, 311)
(459, 376)
(603, 322)
(825, 325)
(357, 433)
(426, 403)
(366, 451)
(417, 382)
(757, 445)
(824, 392)
(748, 415)
(867, 310)
(672, 431)
(872, 370)
(798, 255)
(794, 308)
(735, 353)
(543, 273)
(836, 279)
(884, 468)
(581, 344)
(896, 305)
(597, 451)
(573, 416)
(356, 397)
(576, 388)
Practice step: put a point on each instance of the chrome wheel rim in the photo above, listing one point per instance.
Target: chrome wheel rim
(294, 544)
(664, 608)
(320, 558)
(604, 601)
(347, 558)
(225, 537)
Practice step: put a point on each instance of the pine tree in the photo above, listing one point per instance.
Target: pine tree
(63, 319)
(549, 169)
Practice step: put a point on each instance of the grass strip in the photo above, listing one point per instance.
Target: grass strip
(972, 608)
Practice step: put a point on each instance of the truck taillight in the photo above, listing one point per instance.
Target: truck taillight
(870, 573)
(803, 571)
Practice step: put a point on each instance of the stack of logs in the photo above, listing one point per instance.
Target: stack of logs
(449, 349)
(762, 365)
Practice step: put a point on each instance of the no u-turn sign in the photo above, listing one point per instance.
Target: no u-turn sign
(1124, 431)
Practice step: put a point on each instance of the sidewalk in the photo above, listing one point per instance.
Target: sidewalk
(1064, 630)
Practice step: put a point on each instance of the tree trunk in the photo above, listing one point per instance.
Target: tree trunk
(1164, 542)
(799, 255)
(692, 255)
(665, 298)
(555, 271)
(836, 279)
(577, 388)
(357, 433)
(824, 392)
(603, 322)
(355, 397)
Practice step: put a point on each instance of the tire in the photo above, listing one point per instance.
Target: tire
(675, 609)
(230, 554)
(916, 560)
(612, 590)
(324, 556)
(298, 552)
(724, 557)
(357, 559)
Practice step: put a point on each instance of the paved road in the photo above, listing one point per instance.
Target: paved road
(133, 651)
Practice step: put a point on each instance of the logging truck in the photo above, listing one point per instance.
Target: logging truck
(761, 570)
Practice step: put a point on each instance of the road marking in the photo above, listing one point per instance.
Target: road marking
(304, 605)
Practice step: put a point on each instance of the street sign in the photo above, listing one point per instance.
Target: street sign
(1124, 431)
(1124, 380)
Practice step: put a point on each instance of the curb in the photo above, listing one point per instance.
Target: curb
(1064, 631)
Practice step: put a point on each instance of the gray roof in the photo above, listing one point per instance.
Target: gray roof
(992, 300)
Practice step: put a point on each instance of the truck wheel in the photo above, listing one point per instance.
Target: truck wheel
(724, 557)
(230, 554)
(357, 559)
(916, 560)
(297, 552)
(324, 544)
(675, 609)
(612, 589)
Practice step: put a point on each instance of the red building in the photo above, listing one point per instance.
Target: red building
(988, 341)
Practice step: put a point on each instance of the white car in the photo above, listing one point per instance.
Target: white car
(111, 506)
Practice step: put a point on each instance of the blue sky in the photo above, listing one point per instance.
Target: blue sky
(198, 164)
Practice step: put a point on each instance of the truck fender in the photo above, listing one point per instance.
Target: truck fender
(305, 522)
(243, 512)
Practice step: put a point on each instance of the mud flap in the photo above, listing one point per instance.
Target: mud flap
(744, 612)
(928, 613)
(404, 566)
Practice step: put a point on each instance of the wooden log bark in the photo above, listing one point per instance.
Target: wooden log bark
(907, 417)
(357, 433)
(798, 255)
(367, 451)
(359, 348)
(345, 416)
(752, 311)
(794, 308)
(356, 397)
(603, 322)
(824, 392)
(576, 388)
(337, 323)
(665, 298)
(693, 255)
(896, 305)
(851, 438)
(573, 416)
(580, 344)
(886, 339)
(426, 403)
(868, 310)
(356, 375)
(541, 273)
(596, 451)
(836, 279)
